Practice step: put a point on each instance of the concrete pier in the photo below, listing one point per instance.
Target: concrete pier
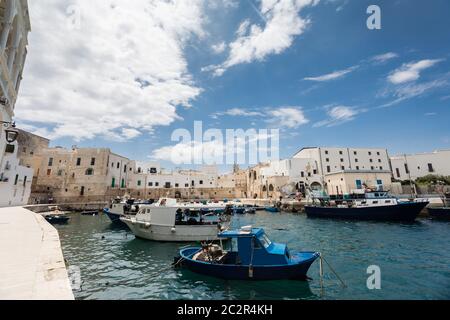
(31, 261)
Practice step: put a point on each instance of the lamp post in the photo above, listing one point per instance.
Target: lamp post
(11, 132)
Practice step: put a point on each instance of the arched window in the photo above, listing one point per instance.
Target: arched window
(270, 187)
(90, 172)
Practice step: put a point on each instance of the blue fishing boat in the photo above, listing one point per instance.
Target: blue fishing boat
(114, 217)
(252, 256)
(272, 209)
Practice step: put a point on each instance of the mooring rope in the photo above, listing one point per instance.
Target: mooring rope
(332, 270)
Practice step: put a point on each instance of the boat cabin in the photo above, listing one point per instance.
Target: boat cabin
(251, 246)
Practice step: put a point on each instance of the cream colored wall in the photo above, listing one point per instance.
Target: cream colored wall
(346, 182)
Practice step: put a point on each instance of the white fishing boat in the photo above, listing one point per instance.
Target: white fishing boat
(167, 220)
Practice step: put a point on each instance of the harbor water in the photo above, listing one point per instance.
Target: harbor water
(413, 258)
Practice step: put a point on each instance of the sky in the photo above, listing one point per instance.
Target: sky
(127, 74)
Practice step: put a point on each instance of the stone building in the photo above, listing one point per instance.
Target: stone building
(15, 179)
(81, 175)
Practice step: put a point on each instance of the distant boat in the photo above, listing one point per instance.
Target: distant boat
(55, 215)
(90, 213)
(439, 213)
(254, 258)
(250, 211)
(367, 206)
(168, 220)
(272, 209)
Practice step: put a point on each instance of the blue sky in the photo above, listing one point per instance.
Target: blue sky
(330, 82)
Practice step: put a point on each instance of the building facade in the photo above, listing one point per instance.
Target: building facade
(15, 179)
(352, 181)
(406, 167)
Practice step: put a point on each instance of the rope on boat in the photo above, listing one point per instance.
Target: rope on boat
(322, 258)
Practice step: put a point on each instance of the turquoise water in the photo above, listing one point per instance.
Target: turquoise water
(414, 260)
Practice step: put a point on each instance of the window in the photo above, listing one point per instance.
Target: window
(113, 183)
(200, 182)
(379, 160)
(153, 170)
(50, 162)
(112, 164)
(406, 168)
(186, 185)
(358, 184)
(315, 171)
(342, 168)
(25, 181)
(139, 183)
(156, 184)
(342, 159)
(92, 161)
(60, 172)
(302, 174)
(16, 180)
(139, 170)
(10, 148)
(167, 185)
(49, 172)
(370, 153)
(82, 191)
(355, 153)
(150, 184)
(118, 165)
(356, 160)
(326, 151)
(265, 241)
(381, 168)
(340, 152)
(372, 168)
(328, 169)
(78, 161)
(327, 159)
(379, 182)
(378, 153)
(371, 160)
(176, 185)
(397, 171)
(125, 168)
(430, 167)
(89, 172)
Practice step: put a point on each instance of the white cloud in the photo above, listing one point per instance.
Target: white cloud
(331, 76)
(124, 70)
(281, 24)
(219, 47)
(384, 57)
(411, 71)
(238, 112)
(338, 115)
(412, 90)
(287, 117)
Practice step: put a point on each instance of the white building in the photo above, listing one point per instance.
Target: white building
(15, 180)
(418, 165)
(313, 163)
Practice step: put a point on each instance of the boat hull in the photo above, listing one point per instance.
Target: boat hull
(296, 271)
(407, 211)
(57, 219)
(181, 233)
(114, 217)
(441, 213)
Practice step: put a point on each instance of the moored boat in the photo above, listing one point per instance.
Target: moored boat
(55, 215)
(439, 213)
(374, 205)
(168, 220)
(272, 209)
(254, 258)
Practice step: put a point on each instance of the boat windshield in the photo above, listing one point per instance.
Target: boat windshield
(265, 241)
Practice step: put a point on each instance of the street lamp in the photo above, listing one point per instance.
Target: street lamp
(11, 132)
